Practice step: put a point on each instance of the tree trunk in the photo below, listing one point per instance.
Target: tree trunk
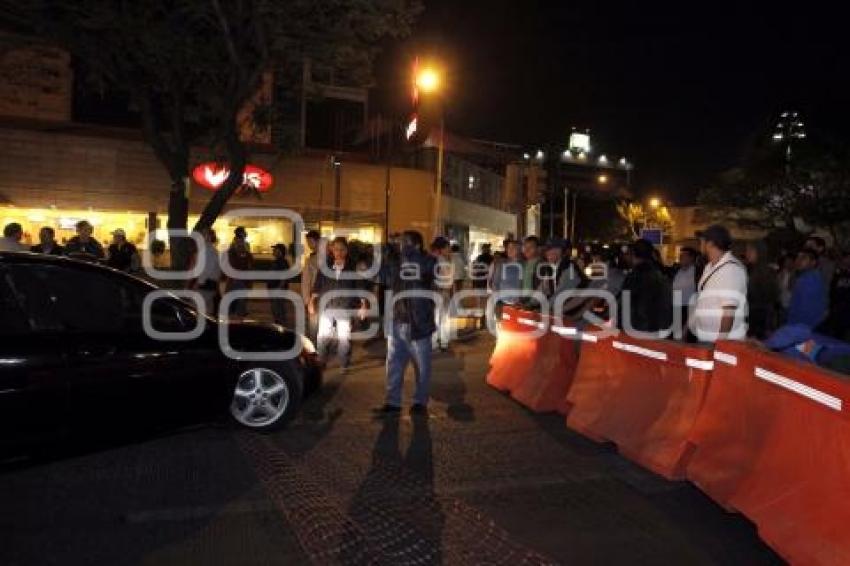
(178, 219)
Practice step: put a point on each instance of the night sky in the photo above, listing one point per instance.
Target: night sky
(681, 89)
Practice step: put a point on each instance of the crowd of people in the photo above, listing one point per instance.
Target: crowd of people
(119, 254)
(796, 302)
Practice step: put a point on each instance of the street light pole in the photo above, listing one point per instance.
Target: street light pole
(439, 179)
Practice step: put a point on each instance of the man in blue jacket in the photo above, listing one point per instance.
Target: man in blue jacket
(808, 297)
(409, 280)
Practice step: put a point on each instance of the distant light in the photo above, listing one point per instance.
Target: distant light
(582, 156)
(567, 154)
(602, 179)
(778, 136)
(428, 80)
(623, 161)
(800, 135)
(526, 156)
(603, 159)
(539, 155)
(471, 183)
(655, 202)
(606, 246)
(337, 163)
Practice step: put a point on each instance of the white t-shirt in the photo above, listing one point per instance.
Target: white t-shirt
(723, 284)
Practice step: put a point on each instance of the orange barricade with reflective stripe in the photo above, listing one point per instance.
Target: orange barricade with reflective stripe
(651, 392)
(547, 380)
(516, 348)
(653, 398)
(733, 425)
(793, 453)
(587, 397)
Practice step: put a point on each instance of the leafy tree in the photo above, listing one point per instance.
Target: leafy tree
(636, 217)
(798, 196)
(190, 66)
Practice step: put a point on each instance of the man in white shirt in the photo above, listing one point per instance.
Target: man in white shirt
(13, 233)
(721, 307)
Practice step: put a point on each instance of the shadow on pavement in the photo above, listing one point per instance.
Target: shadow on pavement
(395, 504)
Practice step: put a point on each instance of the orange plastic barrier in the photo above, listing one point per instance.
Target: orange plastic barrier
(516, 348)
(654, 390)
(792, 453)
(732, 427)
(547, 380)
(588, 395)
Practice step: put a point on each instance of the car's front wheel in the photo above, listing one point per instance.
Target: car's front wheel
(265, 397)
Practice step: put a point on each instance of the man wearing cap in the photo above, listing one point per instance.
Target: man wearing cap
(121, 254)
(720, 312)
(83, 246)
(11, 240)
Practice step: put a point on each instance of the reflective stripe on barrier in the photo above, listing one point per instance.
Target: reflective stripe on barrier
(646, 352)
(652, 393)
(799, 388)
(546, 381)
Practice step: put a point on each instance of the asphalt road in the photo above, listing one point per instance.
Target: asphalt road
(480, 481)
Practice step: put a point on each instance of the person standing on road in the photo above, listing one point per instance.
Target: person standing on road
(13, 233)
(83, 245)
(279, 306)
(685, 282)
(308, 279)
(240, 258)
(47, 243)
(531, 258)
(720, 312)
(762, 291)
(808, 298)
(647, 292)
(444, 282)
(121, 254)
(480, 275)
(458, 267)
(412, 323)
(207, 282)
(335, 312)
(825, 264)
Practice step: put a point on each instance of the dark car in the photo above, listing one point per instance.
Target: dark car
(75, 355)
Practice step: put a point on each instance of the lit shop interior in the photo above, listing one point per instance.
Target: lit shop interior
(263, 233)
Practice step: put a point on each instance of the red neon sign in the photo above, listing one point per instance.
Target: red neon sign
(212, 175)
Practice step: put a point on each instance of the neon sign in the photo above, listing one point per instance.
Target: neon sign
(212, 176)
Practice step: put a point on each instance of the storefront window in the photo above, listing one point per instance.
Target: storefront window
(64, 221)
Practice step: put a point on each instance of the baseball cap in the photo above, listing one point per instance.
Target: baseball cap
(718, 235)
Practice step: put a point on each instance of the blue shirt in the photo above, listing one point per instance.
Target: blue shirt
(808, 299)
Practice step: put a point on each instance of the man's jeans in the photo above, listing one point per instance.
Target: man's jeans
(401, 349)
(327, 320)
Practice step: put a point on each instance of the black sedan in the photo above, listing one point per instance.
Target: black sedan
(75, 354)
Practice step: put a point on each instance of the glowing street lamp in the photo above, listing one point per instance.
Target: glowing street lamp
(654, 202)
(602, 179)
(428, 80)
